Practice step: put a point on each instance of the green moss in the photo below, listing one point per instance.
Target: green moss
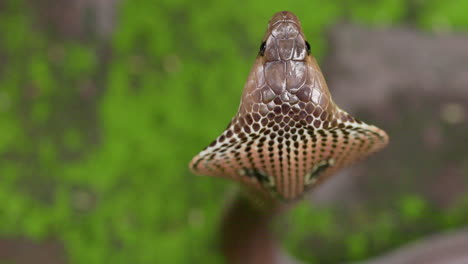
(378, 12)
(412, 207)
(444, 15)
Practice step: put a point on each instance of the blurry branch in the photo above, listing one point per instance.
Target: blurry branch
(447, 248)
(78, 18)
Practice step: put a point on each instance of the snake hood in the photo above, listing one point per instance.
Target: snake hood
(288, 135)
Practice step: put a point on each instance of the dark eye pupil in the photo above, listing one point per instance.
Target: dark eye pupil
(308, 47)
(262, 48)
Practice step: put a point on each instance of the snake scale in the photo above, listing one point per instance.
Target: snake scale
(288, 135)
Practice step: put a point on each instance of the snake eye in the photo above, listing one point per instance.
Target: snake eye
(262, 48)
(308, 47)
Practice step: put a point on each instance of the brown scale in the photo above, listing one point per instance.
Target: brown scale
(288, 134)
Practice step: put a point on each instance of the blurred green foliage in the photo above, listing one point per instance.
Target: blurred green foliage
(366, 234)
(96, 135)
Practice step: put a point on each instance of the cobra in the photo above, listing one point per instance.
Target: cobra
(288, 135)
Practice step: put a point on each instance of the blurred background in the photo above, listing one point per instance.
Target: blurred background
(104, 102)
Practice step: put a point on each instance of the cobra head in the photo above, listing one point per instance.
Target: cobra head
(288, 135)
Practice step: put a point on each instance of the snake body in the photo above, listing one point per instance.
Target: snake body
(288, 135)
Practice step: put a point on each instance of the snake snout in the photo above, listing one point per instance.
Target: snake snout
(284, 16)
(284, 39)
